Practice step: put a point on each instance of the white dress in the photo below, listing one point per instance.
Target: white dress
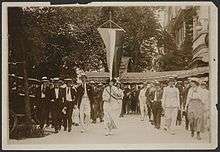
(112, 97)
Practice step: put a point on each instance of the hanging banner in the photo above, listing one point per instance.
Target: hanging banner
(112, 41)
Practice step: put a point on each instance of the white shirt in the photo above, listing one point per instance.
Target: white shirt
(68, 94)
(142, 96)
(85, 92)
(170, 97)
(42, 94)
(57, 92)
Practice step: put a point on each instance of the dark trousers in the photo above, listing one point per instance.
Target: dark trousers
(186, 119)
(96, 110)
(157, 110)
(123, 108)
(67, 118)
(43, 112)
(149, 107)
(57, 114)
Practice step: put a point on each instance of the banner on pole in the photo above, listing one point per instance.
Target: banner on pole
(112, 41)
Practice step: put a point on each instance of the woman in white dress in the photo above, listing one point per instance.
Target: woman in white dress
(112, 97)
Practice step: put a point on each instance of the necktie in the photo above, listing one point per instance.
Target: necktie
(68, 90)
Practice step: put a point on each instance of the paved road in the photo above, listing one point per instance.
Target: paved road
(131, 131)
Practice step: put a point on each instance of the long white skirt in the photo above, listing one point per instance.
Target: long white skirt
(112, 112)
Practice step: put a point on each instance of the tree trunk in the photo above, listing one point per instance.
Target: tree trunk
(27, 99)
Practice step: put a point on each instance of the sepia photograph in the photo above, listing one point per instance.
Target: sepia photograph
(119, 75)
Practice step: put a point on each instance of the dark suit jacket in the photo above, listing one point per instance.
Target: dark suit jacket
(38, 92)
(53, 94)
(73, 94)
(80, 93)
(159, 94)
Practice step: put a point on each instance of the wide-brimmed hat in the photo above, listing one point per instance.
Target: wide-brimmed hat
(203, 83)
(194, 79)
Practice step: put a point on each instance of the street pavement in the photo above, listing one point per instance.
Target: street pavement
(131, 131)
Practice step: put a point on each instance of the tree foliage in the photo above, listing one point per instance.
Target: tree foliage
(60, 39)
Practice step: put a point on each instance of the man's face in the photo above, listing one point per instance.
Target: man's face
(56, 85)
(171, 83)
(69, 84)
(44, 82)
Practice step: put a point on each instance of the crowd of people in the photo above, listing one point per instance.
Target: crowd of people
(69, 102)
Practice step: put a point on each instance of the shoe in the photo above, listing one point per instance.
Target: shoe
(64, 129)
(69, 130)
(107, 134)
(192, 133)
(198, 136)
(165, 129)
(172, 132)
(82, 131)
(56, 131)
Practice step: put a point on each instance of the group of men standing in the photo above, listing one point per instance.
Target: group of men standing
(169, 99)
(57, 100)
(60, 101)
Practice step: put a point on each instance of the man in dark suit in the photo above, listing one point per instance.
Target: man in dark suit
(97, 104)
(156, 104)
(70, 100)
(125, 100)
(42, 96)
(57, 99)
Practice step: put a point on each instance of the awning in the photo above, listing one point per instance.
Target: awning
(149, 76)
(132, 77)
(21, 78)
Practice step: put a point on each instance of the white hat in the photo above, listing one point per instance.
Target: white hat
(194, 79)
(68, 79)
(44, 79)
(56, 79)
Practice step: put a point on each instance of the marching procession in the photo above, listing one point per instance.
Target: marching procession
(64, 104)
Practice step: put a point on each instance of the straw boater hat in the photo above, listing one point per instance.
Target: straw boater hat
(68, 80)
(44, 79)
(156, 83)
(171, 78)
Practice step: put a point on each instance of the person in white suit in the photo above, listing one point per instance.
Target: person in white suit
(143, 102)
(171, 105)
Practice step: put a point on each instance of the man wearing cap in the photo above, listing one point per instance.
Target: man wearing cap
(69, 95)
(57, 98)
(42, 95)
(171, 104)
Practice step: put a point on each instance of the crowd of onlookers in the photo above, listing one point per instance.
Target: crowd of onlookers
(59, 102)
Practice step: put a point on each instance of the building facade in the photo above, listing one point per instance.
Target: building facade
(190, 23)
